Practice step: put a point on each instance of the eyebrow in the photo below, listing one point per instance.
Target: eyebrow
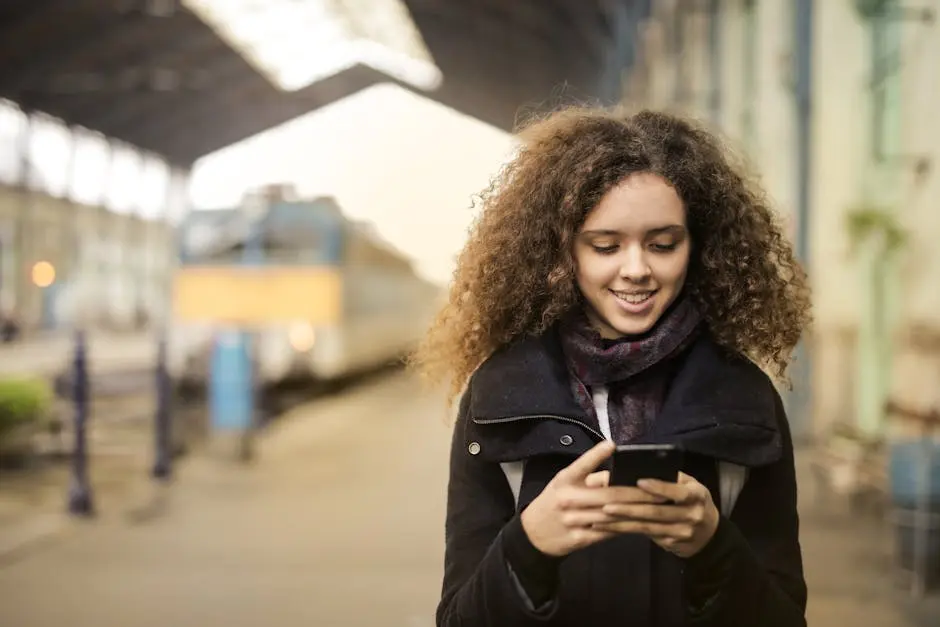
(660, 230)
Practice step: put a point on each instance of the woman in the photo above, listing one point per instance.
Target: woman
(623, 284)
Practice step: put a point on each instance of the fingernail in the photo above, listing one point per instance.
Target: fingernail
(644, 483)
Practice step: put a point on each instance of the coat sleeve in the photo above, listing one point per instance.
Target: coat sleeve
(751, 573)
(478, 587)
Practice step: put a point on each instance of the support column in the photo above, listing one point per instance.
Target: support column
(714, 61)
(749, 113)
(625, 18)
(21, 230)
(799, 401)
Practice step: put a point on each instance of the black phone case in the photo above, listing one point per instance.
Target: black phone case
(628, 467)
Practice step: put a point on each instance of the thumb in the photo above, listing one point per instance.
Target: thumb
(600, 479)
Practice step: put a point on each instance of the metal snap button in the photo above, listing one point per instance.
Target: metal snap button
(566, 440)
(474, 448)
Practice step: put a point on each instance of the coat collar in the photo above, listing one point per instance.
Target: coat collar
(719, 404)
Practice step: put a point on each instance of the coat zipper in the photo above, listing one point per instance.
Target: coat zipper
(491, 421)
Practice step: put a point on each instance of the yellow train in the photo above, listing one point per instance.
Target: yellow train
(325, 296)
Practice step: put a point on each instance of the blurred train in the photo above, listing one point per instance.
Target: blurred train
(384, 306)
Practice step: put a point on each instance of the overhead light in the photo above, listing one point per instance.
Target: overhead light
(295, 43)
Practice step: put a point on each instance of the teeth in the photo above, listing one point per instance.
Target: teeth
(633, 298)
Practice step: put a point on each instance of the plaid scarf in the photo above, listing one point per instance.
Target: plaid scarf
(636, 370)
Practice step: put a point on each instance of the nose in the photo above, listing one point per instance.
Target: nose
(634, 266)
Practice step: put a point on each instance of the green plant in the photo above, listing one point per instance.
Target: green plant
(866, 221)
(23, 401)
(870, 9)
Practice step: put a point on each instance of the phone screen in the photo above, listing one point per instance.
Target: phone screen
(645, 461)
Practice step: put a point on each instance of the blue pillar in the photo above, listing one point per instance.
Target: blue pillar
(232, 381)
(231, 393)
(80, 500)
(625, 18)
(680, 88)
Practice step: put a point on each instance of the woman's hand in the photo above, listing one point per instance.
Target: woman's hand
(682, 527)
(566, 515)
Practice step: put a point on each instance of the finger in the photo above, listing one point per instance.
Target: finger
(598, 479)
(698, 492)
(580, 468)
(583, 498)
(585, 518)
(678, 493)
(627, 494)
(677, 532)
(587, 536)
(648, 513)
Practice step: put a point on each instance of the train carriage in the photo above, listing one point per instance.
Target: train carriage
(382, 306)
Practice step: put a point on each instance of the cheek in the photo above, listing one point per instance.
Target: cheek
(675, 270)
(596, 271)
(582, 267)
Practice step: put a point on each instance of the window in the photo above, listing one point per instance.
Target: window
(13, 125)
(124, 180)
(154, 188)
(91, 168)
(177, 197)
(50, 155)
(8, 264)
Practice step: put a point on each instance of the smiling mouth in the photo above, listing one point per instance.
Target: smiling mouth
(634, 298)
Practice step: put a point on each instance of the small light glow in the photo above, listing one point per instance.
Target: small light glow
(302, 337)
(43, 274)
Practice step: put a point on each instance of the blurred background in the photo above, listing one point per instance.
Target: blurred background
(223, 222)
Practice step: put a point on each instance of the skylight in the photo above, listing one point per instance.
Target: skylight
(295, 43)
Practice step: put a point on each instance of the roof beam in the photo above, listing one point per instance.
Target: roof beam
(457, 51)
(497, 56)
(253, 105)
(526, 25)
(585, 19)
(14, 13)
(86, 50)
(200, 66)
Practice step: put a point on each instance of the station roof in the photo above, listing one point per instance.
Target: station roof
(153, 74)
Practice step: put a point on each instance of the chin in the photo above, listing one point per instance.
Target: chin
(633, 327)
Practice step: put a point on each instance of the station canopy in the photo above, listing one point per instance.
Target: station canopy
(183, 78)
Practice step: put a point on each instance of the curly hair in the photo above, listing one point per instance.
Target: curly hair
(516, 274)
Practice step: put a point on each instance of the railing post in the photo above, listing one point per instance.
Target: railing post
(162, 468)
(80, 498)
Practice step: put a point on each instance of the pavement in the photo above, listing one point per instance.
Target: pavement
(51, 354)
(339, 522)
(120, 442)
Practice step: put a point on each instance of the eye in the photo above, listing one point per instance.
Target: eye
(604, 250)
(663, 248)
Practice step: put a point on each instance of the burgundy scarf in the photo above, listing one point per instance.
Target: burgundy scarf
(636, 370)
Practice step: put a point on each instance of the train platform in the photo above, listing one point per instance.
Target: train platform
(339, 522)
(50, 354)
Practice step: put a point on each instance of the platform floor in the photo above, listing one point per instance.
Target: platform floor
(49, 355)
(340, 523)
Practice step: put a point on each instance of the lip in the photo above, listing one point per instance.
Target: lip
(635, 309)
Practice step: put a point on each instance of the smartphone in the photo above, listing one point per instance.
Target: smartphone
(632, 462)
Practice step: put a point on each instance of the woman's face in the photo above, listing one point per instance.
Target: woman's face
(632, 255)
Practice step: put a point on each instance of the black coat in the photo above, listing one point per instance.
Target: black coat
(519, 406)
